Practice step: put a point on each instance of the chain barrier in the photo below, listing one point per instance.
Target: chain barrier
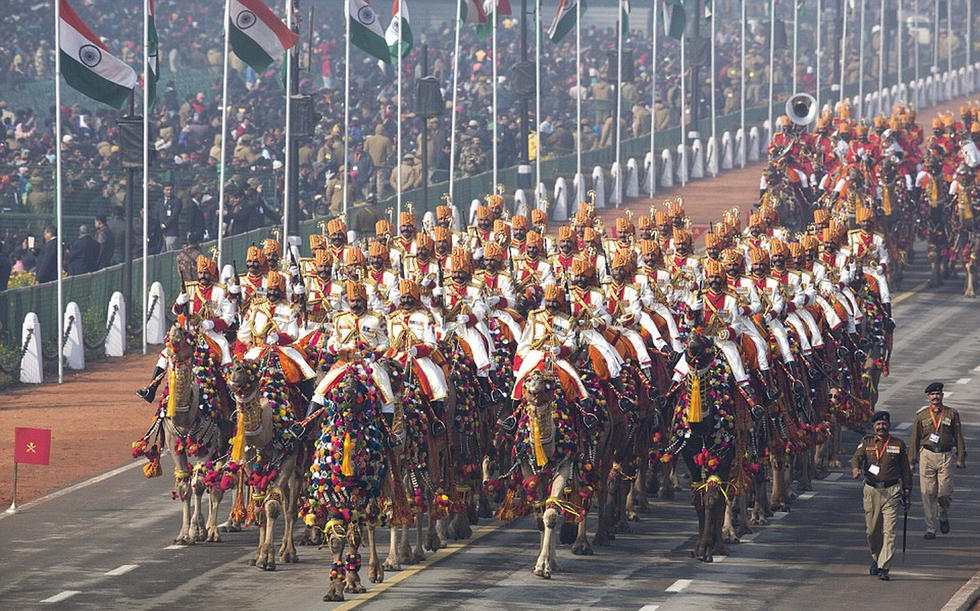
(108, 328)
(23, 352)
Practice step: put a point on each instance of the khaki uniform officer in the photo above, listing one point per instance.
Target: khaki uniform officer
(884, 462)
(936, 431)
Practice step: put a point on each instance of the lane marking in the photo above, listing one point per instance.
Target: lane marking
(948, 394)
(833, 477)
(901, 426)
(963, 381)
(175, 546)
(122, 570)
(719, 558)
(965, 596)
(649, 607)
(977, 368)
(680, 585)
(749, 537)
(57, 598)
(915, 289)
(806, 496)
(779, 515)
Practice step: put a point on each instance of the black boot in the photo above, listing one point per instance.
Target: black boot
(889, 322)
(306, 388)
(149, 391)
(509, 423)
(490, 393)
(625, 403)
(438, 427)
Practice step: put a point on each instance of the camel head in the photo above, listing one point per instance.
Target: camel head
(539, 388)
(243, 378)
(353, 391)
(700, 350)
(181, 342)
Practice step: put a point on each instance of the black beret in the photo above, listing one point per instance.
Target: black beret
(934, 387)
(882, 415)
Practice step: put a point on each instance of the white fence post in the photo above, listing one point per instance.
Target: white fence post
(115, 341)
(650, 168)
(73, 350)
(711, 159)
(697, 159)
(540, 195)
(580, 187)
(766, 133)
(599, 186)
(753, 144)
(156, 319)
(559, 210)
(727, 152)
(520, 202)
(681, 165)
(667, 172)
(616, 178)
(632, 179)
(31, 365)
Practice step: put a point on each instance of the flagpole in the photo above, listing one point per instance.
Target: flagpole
(843, 54)
(619, 98)
(741, 92)
(653, 104)
(493, 124)
(13, 498)
(796, 36)
(915, 48)
(772, 56)
(949, 36)
(578, 90)
(58, 192)
(683, 157)
(347, 100)
(398, 125)
(860, 114)
(881, 55)
(452, 121)
(714, 95)
(146, 161)
(900, 79)
(819, 53)
(289, 139)
(537, 98)
(224, 138)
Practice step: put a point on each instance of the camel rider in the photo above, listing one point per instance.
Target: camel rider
(501, 237)
(625, 238)
(381, 282)
(539, 222)
(656, 291)
(252, 282)
(206, 307)
(561, 261)
(518, 240)
(482, 232)
(840, 271)
(549, 340)
(423, 268)
(591, 249)
(796, 299)
(323, 296)
(624, 304)
(272, 324)
(464, 312)
(685, 269)
(498, 289)
(721, 313)
(412, 335)
(354, 265)
(404, 246)
(338, 246)
(665, 232)
(446, 218)
(869, 250)
(966, 195)
(644, 228)
(755, 237)
(533, 273)
(359, 334)
(814, 276)
(746, 296)
(773, 304)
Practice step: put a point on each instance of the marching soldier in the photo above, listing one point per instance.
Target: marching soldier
(936, 432)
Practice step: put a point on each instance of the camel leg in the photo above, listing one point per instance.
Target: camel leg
(716, 517)
(353, 561)
(214, 501)
(543, 566)
(759, 508)
(638, 494)
(702, 551)
(418, 554)
(742, 511)
(272, 509)
(969, 292)
(393, 562)
(581, 547)
(183, 491)
(198, 530)
(287, 551)
(376, 572)
(728, 526)
(436, 535)
(338, 571)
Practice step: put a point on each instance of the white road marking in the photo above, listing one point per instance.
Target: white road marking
(977, 368)
(963, 381)
(57, 598)
(680, 585)
(175, 546)
(719, 558)
(122, 570)
(779, 515)
(833, 477)
(964, 594)
(649, 607)
(902, 426)
(806, 496)
(749, 537)
(947, 394)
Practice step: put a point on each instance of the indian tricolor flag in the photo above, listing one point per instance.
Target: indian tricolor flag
(366, 32)
(471, 11)
(392, 33)
(87, 64)
(565, 18)
(256, 35)
(152, 58)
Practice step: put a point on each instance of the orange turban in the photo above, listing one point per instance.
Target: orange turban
(519, 222)
(483, 212)
(424, 242)
(714, 268)
(534, 238)
(275, 279)
(758, 255)
(554, 293)
(795, 250)
(443, 213)
(827, 235)
(501, 227)
(778, 247)
(808, 242)
(317, 241)
(440, 233)
(623, 225)
(730, 255)
(589, 235)
(460, 260)
(660, 217)
(272, 249)
(755, 219)
(322, 257)
(565, 233)
(406, 218)
(382, 227)
(255, 254)
(683, 236)
(650, 247)
(354, 256)
(538, 216)
(205, 264)
(622, 258)
(937, 123)
(354, 290)
(377, 249)
(864, 213)
(493, 251)
(643, 222)
(711, 240)
(408, 287)
(581, 267)
(336, 225)
(821, 215)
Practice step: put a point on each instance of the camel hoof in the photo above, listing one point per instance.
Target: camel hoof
(742, 529)
(632, 516)
(582, 548)
(731, 539)
(391, 565)
(376, 573)
(270, 567)
(331, 597)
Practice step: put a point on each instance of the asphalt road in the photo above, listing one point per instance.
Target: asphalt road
(107, 545)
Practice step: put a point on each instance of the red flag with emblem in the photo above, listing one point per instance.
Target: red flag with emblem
(32, 446)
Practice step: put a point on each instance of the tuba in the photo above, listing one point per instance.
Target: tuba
(801, 108)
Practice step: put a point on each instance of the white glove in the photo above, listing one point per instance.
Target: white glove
(293, 271)
(478, 253)
(437, 291)
(299, 289)
(428, 282)
(182, 299)
(272, 338)
(234, 289)
(493, 301)
(555, 351)
(767, 317)
(463, 319)
(881, 270)
(697, 305)
(207, 325)
(412, 352)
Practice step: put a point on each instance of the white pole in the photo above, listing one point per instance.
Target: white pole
(935, 39)
(452, 120)
(683, 158)
(741, 92)
(619, 95)
(899, 80)
(860, 113)
(949, 36)
(714, 94)
(915, 45)
(772, 60)
(537, 98)
(493, 29)
(969, 32)
(224, 138)
(819, 52)
(398, 128)
(882, 60)
(57, 193)
(653, 103)
(347, 99)
(796, 36)
(843, 53)
(289, 140)
(578, 87)
(146, 162)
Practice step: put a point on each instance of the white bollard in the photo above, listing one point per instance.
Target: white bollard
(753, 144)
(579, 187)
(599, 186)
(616, 190)
(559, 209)
(727, 151)
(473, 206)
(667, 171)
(869, 108)
(156, 316)
(711, 157)
(540, 197)
(632, 179)
(73, 350)
(351, 236)
(740, 151)
(227, 272)
(681, 165)
(697, 159)
(115, 341)
(520, 203)
(650, 172)
(767, 133)
(31, 365)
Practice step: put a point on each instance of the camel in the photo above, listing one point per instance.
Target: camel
(268, 455)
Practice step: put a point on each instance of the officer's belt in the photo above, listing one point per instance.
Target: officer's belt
(881, 485)
(935, 451)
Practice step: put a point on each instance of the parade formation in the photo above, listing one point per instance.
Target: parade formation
(442, 372)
